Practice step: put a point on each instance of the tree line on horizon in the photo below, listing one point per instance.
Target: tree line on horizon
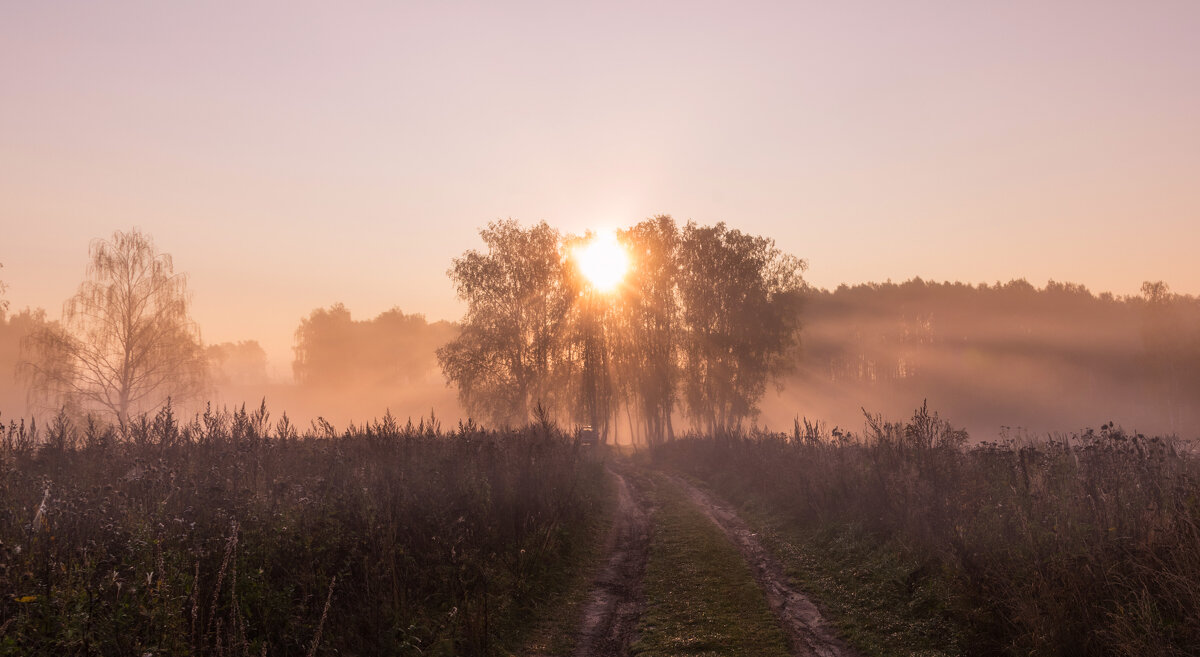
(704, 322)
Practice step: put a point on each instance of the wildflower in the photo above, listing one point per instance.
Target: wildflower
(39, 518)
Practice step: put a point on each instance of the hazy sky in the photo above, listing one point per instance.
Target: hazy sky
(292, 155)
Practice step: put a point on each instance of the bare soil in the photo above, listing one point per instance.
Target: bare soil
(809, 633)
(611, 614)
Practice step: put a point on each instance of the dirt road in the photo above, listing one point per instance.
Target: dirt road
(616, 601)
(611, 614)
(810, 634)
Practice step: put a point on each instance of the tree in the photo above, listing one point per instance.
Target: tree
(3, 289)
(707, 315)
(740, 299)
(324, 340)
(241, 363)
(125, 343)
(589, 337)
(504, 360)
(14, 329)
(648, 347)
(393, 349)
(1172, 352)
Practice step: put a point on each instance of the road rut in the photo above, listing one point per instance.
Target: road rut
(611, 614)
(809, 632)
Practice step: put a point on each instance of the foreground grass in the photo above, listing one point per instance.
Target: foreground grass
(872, 590)
(227, 535)
(557, 615)
(916, 542)
(701, 596)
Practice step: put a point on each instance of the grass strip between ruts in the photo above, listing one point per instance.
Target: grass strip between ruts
(701, 597)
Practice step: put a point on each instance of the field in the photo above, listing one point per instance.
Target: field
(1080, 545)
(230, 534)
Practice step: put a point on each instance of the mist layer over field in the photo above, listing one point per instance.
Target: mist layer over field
(1056, 358)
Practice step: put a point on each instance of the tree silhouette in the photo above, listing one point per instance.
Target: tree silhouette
(126, 342)
(1170, 352)
(649, 335)
(14, 328)
(242, 363)
(589, 341)
(707, 315)
(3, 289)
(740, 298)
(504, 359)
(335, 351)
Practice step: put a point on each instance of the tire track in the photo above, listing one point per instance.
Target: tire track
(615, 604)
(809, 632)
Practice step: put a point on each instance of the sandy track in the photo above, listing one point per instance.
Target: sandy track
(808, 631)
(611, 613)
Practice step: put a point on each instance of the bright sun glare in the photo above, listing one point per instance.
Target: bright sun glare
(603, 261)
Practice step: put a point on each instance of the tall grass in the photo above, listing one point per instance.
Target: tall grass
(228, 534)
(1086, 544)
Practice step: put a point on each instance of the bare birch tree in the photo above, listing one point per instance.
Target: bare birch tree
(126, 343)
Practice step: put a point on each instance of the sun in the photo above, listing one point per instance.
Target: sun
(603, 261)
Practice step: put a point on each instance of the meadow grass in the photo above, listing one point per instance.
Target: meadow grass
(557, 614)
(864, 586)
(1079, 545)
(228, 535)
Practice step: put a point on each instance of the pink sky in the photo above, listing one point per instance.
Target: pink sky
(293, 155)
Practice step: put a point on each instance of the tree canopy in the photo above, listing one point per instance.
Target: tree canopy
(509, 351)
(242, 363)
(704, 318)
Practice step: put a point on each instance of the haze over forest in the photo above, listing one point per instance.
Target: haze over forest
(1008, 355)
(315, 174)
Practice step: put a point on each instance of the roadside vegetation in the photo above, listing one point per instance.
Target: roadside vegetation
(555, 615)
(1080, 545)
(231, 535)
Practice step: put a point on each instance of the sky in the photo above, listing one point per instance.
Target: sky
(292, 155)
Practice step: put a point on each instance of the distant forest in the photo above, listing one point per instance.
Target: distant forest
(1011, 354)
